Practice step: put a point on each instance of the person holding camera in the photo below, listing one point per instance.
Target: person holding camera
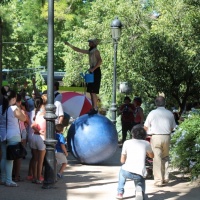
(127, 117)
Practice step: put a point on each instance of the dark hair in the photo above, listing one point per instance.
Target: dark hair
(56, 85)
(59, 128)
(5, 99)
(19, 98)
(138, 101)
(25, 105)
(127, 98)
(7, 96)
(138, 132)
(160, 101)
(38, 101)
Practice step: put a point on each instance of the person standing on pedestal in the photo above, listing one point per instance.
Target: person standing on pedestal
(95, 62)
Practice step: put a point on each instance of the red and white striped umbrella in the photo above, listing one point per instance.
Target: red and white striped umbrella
(75, 104)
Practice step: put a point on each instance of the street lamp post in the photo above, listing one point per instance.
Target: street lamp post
(116, 26)
(50, 116)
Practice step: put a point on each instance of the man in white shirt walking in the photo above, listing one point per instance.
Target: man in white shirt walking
(160, 123)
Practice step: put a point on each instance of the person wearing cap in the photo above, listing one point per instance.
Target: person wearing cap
(94, 62)
(138, 112)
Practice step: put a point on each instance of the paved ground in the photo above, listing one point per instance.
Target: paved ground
(99, 182)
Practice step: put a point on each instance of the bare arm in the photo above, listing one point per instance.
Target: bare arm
(77, 49)
(34, 87)
(19, 115)
(150, 154)
(35, 128)
(141, 115)
(145, 128)
(60, 120)
(64, 149)
(123, 158)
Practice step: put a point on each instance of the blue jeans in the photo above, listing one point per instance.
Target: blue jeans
(3, 161)
(7, 165)
(123, 175)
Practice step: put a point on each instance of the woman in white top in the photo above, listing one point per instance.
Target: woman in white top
(13, 135)
(37, 144)
(3, 109)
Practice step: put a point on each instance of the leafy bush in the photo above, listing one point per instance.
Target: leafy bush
(185, 149)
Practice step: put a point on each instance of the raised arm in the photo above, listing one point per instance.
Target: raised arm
(77, 49)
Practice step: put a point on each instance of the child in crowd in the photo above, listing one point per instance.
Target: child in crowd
(61, 151)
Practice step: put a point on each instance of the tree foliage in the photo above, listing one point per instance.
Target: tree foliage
(185, 147)
(156, 53)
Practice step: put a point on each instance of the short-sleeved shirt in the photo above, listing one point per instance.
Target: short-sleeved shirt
(160, 121)
(135, 151)
(61, 140)
(12, 123)
(59, 111)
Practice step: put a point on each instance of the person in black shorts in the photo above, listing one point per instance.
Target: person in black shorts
(95, 62)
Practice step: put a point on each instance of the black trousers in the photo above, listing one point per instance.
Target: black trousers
(126, 126)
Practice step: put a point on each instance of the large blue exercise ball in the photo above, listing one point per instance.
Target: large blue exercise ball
(92, 138)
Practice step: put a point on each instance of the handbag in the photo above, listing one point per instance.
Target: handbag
(15, 151)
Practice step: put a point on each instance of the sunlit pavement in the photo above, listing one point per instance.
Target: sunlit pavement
(99, 182)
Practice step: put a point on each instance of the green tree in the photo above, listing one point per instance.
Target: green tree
(171, 52)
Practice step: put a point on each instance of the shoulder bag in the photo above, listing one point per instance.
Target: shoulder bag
(15, 151)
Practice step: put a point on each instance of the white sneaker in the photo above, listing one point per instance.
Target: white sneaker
(138, 193)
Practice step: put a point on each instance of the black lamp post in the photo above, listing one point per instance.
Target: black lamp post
(116, 26)
(50, 162)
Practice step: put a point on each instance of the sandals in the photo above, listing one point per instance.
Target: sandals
(29, 178)
(18, 179)
(37, 181)
(12, 184)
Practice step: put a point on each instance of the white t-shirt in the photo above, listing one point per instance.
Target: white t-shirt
(135, 151)
(12, 123)
(160, 121)
(59, 110)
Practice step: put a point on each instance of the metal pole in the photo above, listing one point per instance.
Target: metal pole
(50, 162)
(113, 105)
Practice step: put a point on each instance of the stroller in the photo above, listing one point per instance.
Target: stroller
(149, 163)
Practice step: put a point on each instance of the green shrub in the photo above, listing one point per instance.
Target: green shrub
(185, 146)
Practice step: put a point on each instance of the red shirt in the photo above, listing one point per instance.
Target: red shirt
(127, 114)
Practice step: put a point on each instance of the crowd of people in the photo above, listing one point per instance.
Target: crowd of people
(22, 121)
(159, 124)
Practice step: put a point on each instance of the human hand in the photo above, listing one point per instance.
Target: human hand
(90, 70)
(42, 132)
